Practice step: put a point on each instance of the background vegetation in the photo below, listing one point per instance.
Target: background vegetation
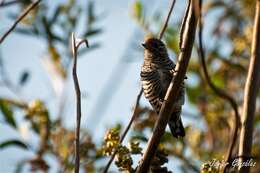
(209, 119)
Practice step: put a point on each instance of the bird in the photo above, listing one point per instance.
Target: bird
(157, 72)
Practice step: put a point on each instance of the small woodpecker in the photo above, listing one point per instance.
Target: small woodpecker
(156, 75)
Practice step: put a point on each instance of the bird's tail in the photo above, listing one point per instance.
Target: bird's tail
(176, 125)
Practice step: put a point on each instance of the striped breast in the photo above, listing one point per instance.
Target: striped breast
(155, 83)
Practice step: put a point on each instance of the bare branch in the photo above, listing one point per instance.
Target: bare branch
(167, 20)
(250, 94)
(20, 17)
(172, 92)
(5, 4)
(74, 48)
(126, 130)
(218, 91)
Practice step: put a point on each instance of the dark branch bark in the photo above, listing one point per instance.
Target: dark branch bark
(250, 94)
(172, 92)
(218, 91)
(21, 16)
(74, 48)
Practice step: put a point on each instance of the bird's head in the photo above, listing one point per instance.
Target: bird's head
(155, 46)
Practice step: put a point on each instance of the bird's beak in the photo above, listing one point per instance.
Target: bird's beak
(144, 45)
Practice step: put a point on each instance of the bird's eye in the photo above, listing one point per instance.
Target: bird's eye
(156, 45)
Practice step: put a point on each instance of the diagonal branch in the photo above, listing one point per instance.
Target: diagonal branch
(20, 17)
(173, 90)
(218, 91)
(250, 94)
(167, 20)
(74, 48)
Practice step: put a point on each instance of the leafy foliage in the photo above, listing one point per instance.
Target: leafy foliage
(207, 132)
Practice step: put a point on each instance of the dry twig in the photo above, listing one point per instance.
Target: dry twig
(8, 3)
(74, 48)
(20, 17)
(167, 20)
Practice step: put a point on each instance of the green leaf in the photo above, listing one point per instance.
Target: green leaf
(93, 32)
(139, 138)
(137, 9)
(171, 37)
(24, 78)
(7, 113)
(218, 80)
(166, 136)
(14, 142)
(193, 93)
(91, 15)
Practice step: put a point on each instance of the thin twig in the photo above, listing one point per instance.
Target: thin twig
(5, 4)
(126, 130)
(21, 16)
(167, 20)
(74, 48)
(221, 93)
(172, 92)
(250, 95)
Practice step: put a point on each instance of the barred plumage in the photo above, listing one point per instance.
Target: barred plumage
(156, 75)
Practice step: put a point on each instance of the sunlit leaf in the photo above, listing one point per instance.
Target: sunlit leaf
(137, 10)
(218, 81)
(193, 93)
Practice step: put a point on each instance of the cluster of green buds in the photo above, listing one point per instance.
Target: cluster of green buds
(36, 107)
(112, 141)
(37, 113)
(159, 160)
(123, 159)
(134, 147)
